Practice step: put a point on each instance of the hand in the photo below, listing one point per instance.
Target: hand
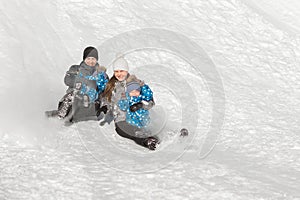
(97, 105)
(78, 86)
(102, 109)
(136, 107)
(109, 117)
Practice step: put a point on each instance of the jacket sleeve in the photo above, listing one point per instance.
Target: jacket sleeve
(147, 97)
(146, 93)
(147, 105)
(70, 75)
(101, 82)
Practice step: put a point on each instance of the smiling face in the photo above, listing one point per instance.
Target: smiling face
(120, 74)
(90, 61)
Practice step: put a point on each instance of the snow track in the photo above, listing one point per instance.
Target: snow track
(254, 51)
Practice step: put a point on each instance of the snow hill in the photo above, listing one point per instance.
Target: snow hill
(226, 70)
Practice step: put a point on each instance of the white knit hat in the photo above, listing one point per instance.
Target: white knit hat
(120, 63)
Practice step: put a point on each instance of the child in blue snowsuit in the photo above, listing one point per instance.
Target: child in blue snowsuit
(101, 79)
(136, 115)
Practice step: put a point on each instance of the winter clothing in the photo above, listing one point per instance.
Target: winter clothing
(127, 131)
(90, 82)
(102, 109)
(136, 115)
(70, 77)
(103, 112)
(117, 94)
(151, 143)
(101, 80)
(129, 124)
(184, 132)
(90, 52)
(85, 84)
(108, 118)
(65, 105)
(134, 85)
(136, 107)
(120, 63)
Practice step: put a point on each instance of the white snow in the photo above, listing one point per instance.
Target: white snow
(227, 70)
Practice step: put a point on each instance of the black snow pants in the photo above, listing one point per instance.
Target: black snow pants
(130, 132)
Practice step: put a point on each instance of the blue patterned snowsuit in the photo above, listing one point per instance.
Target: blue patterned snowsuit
(139, 118)
(101, 81)
(83, 81)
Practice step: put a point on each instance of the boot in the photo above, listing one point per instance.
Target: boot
(151, 143)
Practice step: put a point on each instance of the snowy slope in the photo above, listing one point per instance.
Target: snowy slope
(226, 70)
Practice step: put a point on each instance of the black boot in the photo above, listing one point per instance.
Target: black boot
(65, 105)
(151, 143)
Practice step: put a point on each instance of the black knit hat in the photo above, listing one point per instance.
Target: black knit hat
(90, 52)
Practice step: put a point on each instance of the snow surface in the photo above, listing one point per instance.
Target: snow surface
(226, 70)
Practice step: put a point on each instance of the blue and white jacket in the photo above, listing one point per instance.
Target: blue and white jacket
(101, 81)
(92, 82)
(141, 117)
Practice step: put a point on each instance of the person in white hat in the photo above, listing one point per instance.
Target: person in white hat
(116, 91)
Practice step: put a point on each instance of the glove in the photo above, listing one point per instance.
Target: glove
(97, 105)
(78, 86)
(109, 117)
(136, 107)
(147, 105)
(102, 109)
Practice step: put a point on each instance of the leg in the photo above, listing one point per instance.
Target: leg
(51, 113)
(128, 131)
(80, 112)
(65, 105)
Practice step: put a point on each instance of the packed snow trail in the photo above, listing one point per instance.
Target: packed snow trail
(70, 171)
(255, 54)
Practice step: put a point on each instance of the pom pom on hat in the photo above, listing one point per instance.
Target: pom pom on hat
(120, 63)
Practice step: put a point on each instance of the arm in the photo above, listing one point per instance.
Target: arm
(100, 77)
(101, 81)
(70, 76)
(147, 105)
(147, 99)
